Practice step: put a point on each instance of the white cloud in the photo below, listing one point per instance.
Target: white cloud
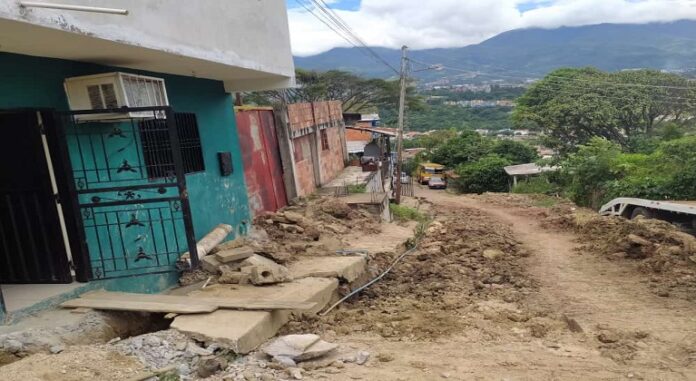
(424, 24)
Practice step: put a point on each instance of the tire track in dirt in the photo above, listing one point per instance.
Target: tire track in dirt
(600, 295)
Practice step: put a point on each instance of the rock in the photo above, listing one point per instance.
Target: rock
(493, 254)
(294, 229)
(13, 346)
(608, 337)
(234, 255)
(266, 377)
(290, 345)
(194, 350)
(445, 375)
(572, 324)
(362, 357)
(637, 240)
(293, 217)
(249, 375)
(295, 373)
(239, 242)
(210, 365)
(229, 276)
(335, 228)
(264, 271)
(55, 349)
(318, 349)
(299, 347)
(336, 208)
(385, 357)
(152, 341)
(284, 361)
(210, 264)
(495, 279)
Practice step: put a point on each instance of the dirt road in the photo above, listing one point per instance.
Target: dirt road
(583, 317)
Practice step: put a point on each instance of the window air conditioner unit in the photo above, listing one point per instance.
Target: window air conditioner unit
(115, 90)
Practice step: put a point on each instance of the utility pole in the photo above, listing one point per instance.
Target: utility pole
(400, 126)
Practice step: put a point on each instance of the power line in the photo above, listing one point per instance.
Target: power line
(334, 22)
(344, 25)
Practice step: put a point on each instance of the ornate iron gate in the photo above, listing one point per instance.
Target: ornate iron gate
(131, 189)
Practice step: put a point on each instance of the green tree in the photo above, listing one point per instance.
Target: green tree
(468, 146)
(515, 152)
(483, 175)
(357, 94)
(574, 105)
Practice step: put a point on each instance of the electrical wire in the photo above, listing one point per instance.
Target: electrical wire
(334, 22)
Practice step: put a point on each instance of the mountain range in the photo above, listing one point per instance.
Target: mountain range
(527, 53)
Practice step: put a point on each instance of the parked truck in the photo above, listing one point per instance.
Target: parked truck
(677, 212)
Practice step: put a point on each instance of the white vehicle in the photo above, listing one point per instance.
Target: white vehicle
(678, 212)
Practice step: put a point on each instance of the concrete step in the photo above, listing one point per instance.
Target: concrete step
(244, 331)
(345, 268)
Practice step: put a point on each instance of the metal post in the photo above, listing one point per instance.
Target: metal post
(400, 127)
(181, 184)
(3, 309)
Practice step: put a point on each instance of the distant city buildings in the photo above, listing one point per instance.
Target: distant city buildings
(476, 103)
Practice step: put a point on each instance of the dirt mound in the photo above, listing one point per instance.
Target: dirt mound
(657, 248)
(459, 262)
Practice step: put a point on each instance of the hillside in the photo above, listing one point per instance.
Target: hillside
(535, 51)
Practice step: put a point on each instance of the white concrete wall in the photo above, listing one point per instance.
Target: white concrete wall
(249, 37)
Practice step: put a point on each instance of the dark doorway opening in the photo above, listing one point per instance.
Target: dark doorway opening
(34, 245)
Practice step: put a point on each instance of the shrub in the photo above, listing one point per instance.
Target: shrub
(515, 152)
(405, 213)
(483, 175)
(536, 185)
(357, 188)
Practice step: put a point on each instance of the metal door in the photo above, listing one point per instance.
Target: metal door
(131, 190)
(32, 245)
(262, 164)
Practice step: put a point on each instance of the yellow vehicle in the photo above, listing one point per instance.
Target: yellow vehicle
(427, 170)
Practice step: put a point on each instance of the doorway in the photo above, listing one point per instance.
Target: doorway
(34, 245)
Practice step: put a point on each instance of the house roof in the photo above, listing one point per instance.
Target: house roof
(527, 169)
(378, 130)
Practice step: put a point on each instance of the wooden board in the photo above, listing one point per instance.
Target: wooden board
(224, 303)
(135, 305)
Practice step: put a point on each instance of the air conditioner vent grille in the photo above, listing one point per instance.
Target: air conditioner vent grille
(95, 98)
(109, 94)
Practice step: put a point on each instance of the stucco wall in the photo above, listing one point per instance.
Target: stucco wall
(38, 82)
(249, 35)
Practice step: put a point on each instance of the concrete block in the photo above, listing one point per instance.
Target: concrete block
(244, 331)
(210, 264)
(348, 268)
(233, 255)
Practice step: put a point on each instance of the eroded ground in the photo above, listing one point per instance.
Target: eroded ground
(501, 287)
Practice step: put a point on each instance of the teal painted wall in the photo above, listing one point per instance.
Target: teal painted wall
(28, 82)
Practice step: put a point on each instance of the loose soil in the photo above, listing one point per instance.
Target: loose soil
(559, 308)
(501, 287)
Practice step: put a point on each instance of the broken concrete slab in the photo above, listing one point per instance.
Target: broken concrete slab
(210, 264)
(244, 331)
(233, 255)
(263, 271)
(347, 268)
(290, 345)
(299, 347)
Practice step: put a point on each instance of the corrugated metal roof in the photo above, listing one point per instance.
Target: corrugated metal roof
(356, 146)
(527, 169)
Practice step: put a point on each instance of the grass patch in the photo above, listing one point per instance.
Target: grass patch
(546, 202)
(405, 213)
(357, 188)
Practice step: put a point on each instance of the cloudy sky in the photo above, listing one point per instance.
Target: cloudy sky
(424, 24)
